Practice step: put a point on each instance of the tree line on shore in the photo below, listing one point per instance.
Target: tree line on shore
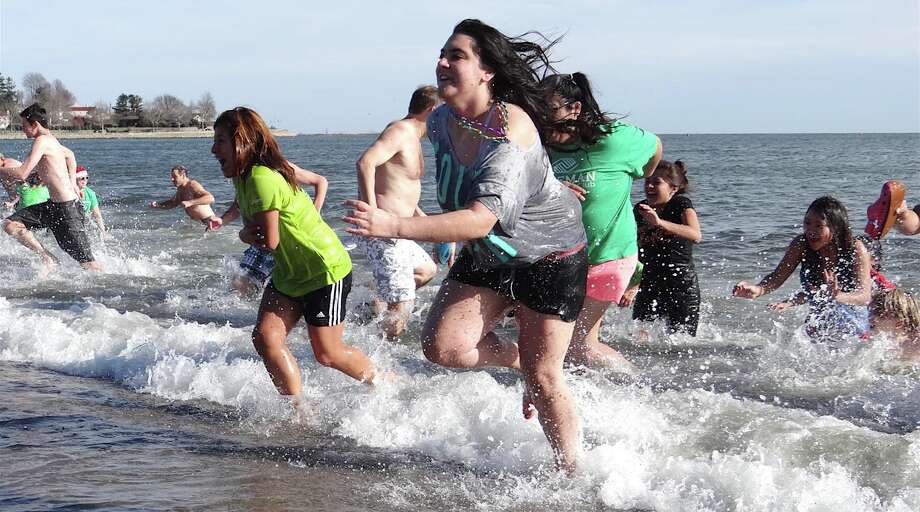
(128, 110)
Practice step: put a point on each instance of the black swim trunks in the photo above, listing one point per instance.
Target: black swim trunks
(65, 220)
(553, 285)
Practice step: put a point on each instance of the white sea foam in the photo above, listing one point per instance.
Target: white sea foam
(675, 449)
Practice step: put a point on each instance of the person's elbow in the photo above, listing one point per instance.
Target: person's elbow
(271, 241)
(480, 224)
(697, 237)
(365, 165)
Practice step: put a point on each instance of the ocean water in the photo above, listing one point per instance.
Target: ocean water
(138, 388)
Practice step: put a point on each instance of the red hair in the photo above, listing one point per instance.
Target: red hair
(253, 142)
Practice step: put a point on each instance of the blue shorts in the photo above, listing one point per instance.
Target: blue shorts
(257, 264)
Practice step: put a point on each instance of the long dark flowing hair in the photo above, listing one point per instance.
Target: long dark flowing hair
(253, 142)
(592, 123)
(835, 214)
(518, 65)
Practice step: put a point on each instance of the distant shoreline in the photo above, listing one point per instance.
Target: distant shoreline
(161, 134)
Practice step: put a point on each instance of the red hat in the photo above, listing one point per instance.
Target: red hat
(82, 172)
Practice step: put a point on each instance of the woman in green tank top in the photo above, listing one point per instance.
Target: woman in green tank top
(312, 273)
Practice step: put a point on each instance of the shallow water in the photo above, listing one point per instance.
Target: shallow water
(139, 389)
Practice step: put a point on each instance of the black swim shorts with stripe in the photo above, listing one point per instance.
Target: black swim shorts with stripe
(323, 307)
(65, 220)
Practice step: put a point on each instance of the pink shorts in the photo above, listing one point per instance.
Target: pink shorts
(607, 281)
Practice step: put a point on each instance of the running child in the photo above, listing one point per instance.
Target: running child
(668, 229)
(602, 157)
(311, 277)
(834, 272)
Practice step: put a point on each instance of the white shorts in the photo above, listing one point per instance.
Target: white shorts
(393, 262)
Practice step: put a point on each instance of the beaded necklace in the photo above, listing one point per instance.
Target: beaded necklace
(482, 130)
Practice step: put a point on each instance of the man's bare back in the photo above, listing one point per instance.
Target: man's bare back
(394, 166)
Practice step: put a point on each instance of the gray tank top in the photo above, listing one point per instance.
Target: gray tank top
(537, 215)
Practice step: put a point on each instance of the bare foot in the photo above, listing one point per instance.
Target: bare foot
(527, 406)
(384, 378)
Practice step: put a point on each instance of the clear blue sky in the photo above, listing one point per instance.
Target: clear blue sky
(706, 66)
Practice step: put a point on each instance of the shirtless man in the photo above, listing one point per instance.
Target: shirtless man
(257, 264)
(389, 178)
(189, 195)
(63, 214)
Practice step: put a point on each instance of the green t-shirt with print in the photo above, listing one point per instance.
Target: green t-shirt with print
(29, 195)
(89, 200)
(606, 170)
(309, 255)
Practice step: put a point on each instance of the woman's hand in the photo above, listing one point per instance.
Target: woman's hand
(214, 223)
(253, 236)
(746, 290)
(579, 192)
(781, 306)
(830, 280)
(627, 299)
(649, 214)
(370, 221)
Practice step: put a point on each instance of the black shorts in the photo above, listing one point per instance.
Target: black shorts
(323, 307)
(554, 285)
(65, 220)
(672, 294)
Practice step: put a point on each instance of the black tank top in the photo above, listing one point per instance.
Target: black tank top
(811, 273)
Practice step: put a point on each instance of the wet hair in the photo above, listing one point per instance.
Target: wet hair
(183, 170)
(592, 123)
(424, 97)
(35, 113)
(835, 214)
(518, 65)
(674, 173)
(899, 305)
(874, 248)
(253, 143)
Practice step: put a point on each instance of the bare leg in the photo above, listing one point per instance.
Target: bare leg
(22, 235)
(543, 342)
(331, 351)
(277, 316)
(458, 330)
(586, 348)
(245, 286)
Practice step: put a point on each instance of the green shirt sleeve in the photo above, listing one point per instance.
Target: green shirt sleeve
(272, 192)
(631, 146)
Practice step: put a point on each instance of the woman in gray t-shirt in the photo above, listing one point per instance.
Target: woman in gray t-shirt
(525, 244)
